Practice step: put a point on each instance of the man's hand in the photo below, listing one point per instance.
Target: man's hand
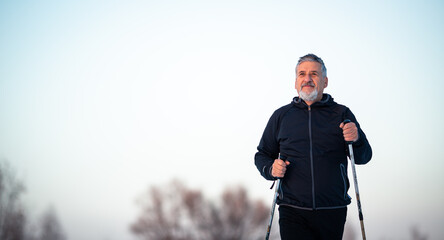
(279, 167)
(350, 131)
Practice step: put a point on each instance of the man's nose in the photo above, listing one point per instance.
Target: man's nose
(307, 79)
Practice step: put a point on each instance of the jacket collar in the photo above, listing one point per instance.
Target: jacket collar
(326, 98)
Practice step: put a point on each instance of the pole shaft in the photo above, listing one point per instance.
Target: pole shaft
(355, 180)
(276, 194)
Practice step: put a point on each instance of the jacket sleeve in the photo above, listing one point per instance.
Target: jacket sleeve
(361, 148)
(268, 149)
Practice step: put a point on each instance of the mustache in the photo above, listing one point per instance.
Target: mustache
(308, 84)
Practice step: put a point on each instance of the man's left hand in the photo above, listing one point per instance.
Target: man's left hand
(350, 131)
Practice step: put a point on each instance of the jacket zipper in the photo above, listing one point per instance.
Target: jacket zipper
(311, 157)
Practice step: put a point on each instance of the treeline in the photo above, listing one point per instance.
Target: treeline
(171, 212)
(167, 212)
(174, 211)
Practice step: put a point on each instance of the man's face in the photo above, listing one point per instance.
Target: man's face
(309, 80)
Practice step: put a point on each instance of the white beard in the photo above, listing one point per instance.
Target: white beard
(308, 96)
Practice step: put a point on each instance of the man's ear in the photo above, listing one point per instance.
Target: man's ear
(326, 82)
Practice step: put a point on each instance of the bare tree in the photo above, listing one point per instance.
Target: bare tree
(14, 223)
(241, 217)
(12, 217)
(178, 213)
(50, 227)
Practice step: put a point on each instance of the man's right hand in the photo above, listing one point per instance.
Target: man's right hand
(279, 167)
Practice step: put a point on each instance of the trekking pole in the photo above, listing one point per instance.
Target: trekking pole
(355, 179)
(276, 195)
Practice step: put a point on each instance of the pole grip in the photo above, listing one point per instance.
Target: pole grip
(345, 122)
(283, 158)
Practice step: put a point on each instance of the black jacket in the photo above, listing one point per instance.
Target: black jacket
(311, 139)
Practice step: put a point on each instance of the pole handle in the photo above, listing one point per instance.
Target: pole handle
(345, 122)
(283, 158)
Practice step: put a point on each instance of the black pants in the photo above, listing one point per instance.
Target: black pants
(301, 224)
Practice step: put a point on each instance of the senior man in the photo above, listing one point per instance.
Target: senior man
(310, 134)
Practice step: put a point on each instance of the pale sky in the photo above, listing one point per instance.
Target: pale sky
(100, 100)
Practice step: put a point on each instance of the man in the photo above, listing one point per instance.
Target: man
(310, 135)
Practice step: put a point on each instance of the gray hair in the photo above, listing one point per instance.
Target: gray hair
(313, 58)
